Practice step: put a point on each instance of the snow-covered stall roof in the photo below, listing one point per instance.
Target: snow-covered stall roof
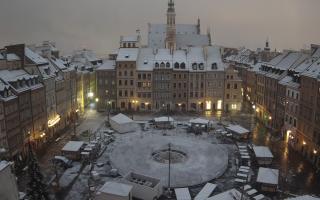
(163, 119)
(121, 119)
(206, 191)
(182, 193)
(268, 176)
(73, 146)
(304, 197)
(232, 194)
(237, 129)
(115, 188)
(199, 121)
(262, 152)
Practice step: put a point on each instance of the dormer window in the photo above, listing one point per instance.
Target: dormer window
(167, 65)
(156, 65)
(194, 66)
(176, 65)
(162, 65)
(214, 66)
(201, 66)
(145, 62)
(182, 65)
(126, 56)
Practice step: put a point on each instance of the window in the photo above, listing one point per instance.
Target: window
(131, 82)
(120, 93)
(228, 86)
(194, 66)
(235, 86)
(214, 66)
(228, 96)
(201, 66)
(131, 93)
(139, 76)
(131, 73)
(156, 65)
(182, 65)
(167, 65)
(125, 73)
(125, 93)
(144, 76)
(176, 65)
(162, 65)
(120, 82)
(125, 82)
(120, 73)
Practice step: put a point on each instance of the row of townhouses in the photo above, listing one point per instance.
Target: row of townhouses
(177, 70)
(41, 94)
(285, 93)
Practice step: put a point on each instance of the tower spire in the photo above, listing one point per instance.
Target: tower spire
(267, 47)
(171, 27)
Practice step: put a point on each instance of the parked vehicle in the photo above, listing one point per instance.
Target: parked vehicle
(62, 161)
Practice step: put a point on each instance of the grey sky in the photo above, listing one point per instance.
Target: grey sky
(97, 24)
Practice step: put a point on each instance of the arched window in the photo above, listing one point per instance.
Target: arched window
(167, 65)
(176, 65)
(156, 65)
(183, 65)
(162, 65)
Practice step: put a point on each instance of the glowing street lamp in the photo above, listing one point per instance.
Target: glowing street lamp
(97, 100)
(90, 94)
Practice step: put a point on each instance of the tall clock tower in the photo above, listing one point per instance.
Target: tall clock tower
(171, 27)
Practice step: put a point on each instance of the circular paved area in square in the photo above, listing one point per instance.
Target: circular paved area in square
(194, 161)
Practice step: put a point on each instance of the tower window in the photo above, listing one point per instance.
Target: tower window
(167, 65)
(176, 65)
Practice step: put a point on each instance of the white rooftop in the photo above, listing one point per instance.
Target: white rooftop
(121, 119)
(130, 38)
(268, 176)
(114, 188)
(107, 65)
(182, 193)
(12, 57)
(206, 191)
(128, 54)
(73, 146)
(232, 194)
(199, 121)
(304, 197)
(163, 119)
(262, 152)
(237, 129)
(3, 164)
(34, 57)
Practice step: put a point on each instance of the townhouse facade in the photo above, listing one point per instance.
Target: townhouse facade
(286, 96)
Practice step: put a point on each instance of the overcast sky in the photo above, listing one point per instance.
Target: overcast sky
(98, 24)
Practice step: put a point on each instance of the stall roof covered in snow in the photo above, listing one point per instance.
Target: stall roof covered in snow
(304, 197)
(73, 146)
(115, 188)
(232, 194)
(262, 152)
(163, 119)
(268, 176)
(237, 129)
(182, 193)
(206, 191)
(121, 119)
(199, 121)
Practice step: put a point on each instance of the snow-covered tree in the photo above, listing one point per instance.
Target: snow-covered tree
(37, 189)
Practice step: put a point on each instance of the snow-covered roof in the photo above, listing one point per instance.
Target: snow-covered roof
(14, 75)
(182, 193)
(145, 60)
(186, 35)
(121, 119)
(163, 55)
(262, 152)
(128, 54)
(237, 129)
(206, 191)
(313, 70)
(130, 38)
(214, 56)
(107, 65)
(199, 121)
(163, 119)
(58, 63)
(259, 197)
(304, 197)
(268, 176)
(232, 194)
(73, 146)
(115, 188)
(316, 54)
(34, 57)
(12, 57)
